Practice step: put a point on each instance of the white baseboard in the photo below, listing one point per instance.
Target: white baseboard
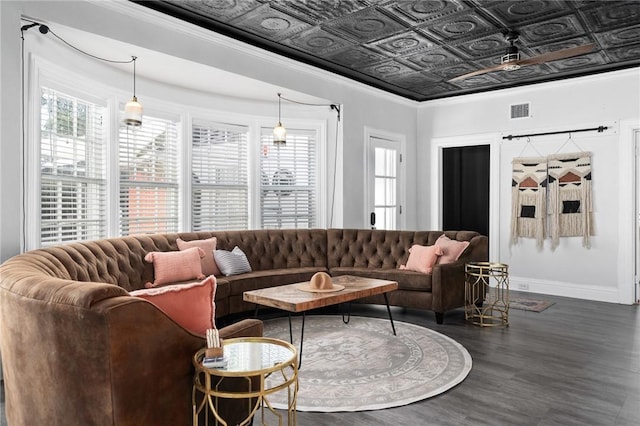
(558, 288)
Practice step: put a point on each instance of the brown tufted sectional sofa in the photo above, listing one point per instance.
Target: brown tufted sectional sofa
(78, 349)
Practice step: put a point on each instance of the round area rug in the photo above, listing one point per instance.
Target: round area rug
(362, 366)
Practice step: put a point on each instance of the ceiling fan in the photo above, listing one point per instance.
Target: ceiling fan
(511, 61)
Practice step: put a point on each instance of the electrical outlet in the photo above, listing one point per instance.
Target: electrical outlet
(523, 286)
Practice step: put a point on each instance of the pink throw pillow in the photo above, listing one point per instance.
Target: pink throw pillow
(422, 258)
(451, 249)
(192, 306)
(209, 266)
(173, 266)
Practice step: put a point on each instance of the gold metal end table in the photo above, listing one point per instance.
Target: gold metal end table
(248, 357)
(487, 294)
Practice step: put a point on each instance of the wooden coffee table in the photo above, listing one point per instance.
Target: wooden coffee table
(291, 299)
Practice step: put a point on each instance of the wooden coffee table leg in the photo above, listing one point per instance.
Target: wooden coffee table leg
(386, 300)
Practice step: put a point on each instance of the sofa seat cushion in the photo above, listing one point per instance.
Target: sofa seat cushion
(407, 280)
(255, 280)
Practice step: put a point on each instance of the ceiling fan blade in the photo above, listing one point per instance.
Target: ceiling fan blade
(477, 72)
(558, 54)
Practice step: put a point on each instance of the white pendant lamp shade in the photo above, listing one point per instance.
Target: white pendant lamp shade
(133, 113)
(133, 108)
(279, 132)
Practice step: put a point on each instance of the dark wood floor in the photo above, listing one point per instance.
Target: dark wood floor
(576, 363)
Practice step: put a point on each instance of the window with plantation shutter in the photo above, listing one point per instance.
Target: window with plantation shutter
(288, 190)
(72, 169)
(148, 165)
(219, 176)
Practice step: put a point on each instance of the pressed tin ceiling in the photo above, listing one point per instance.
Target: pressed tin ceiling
(414, 48)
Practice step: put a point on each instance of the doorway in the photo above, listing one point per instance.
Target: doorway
(465, 188)
(384, 182)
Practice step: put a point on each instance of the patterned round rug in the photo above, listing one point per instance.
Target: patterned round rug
(362, 366)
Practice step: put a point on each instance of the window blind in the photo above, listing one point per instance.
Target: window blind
(72, 169)
(288, 190)
(148, 164)
(219, 167)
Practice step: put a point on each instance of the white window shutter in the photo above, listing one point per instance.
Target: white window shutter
(72, 169)
(148, 164)
(219, 173)
(288, 190)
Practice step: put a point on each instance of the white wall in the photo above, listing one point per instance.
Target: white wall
(605, 99)
(132, 24)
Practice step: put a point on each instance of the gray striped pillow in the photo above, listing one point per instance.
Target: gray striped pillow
(232, 262)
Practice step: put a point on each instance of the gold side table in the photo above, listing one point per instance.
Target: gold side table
(248, 357)
(487, 293)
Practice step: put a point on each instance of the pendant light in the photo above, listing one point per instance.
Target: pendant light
(279, 132)
(133, 108)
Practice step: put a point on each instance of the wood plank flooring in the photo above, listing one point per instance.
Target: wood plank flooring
(576, 363)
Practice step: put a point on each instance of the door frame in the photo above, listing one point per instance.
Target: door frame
(437, 146)
(629, 192)
(401, 140)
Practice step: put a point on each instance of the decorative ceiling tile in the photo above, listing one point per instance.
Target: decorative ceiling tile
(270, 23)
(414, 80)
(319, 10)
(492, 44)
(456, 26)
(612, 15)
(552, 30)
(367, 25)
(357, 57)
(401, 44)
(387, 69)
(434, 58)
(317, 41)
(619, 37)
(626, 53)
(519, 13)
(422, 11)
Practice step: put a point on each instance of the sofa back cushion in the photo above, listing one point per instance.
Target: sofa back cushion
(381, 249)
(268, 249)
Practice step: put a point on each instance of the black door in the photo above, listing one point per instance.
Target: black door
(465, 188)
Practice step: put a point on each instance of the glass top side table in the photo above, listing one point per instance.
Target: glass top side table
(251, 358)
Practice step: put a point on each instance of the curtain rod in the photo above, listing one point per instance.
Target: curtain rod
(600, 129)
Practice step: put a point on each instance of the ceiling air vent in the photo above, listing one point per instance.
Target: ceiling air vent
(520, 111)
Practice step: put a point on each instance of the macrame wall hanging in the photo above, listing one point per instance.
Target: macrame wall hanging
(552, 195)
(529, 199)
(570, 205)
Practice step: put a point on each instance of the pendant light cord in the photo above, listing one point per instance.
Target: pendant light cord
(44, 29)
